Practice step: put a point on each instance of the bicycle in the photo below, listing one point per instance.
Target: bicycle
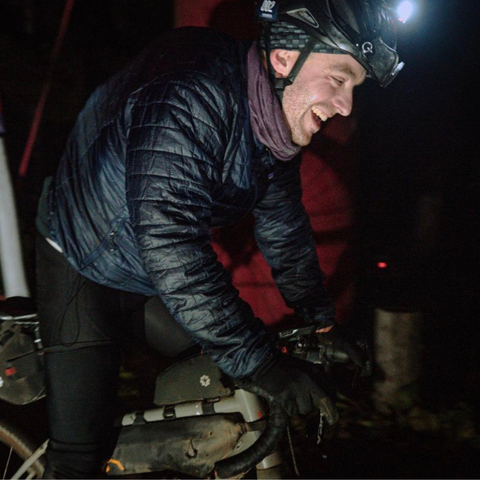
(203, 422)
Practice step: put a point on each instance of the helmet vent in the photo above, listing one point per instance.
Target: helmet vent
(304, 15)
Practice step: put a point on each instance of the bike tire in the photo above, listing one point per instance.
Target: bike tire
(15, 448)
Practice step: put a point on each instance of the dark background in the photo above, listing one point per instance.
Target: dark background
(419, 174)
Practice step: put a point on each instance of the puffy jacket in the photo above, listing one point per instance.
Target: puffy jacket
(160, 155)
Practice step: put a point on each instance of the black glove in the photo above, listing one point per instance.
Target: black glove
(344, 341)
(293, 383)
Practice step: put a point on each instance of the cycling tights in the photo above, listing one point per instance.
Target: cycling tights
(84, 327)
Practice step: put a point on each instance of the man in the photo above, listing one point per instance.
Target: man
(195, 134)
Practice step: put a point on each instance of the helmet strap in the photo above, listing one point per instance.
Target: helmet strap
(281, 83)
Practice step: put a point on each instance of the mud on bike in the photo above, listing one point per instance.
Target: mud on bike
(202, 422)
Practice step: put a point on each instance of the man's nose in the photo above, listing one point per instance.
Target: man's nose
(343, 103)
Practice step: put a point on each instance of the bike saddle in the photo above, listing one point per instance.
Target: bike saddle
(17, 308)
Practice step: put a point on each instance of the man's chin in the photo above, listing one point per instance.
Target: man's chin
(303, 141)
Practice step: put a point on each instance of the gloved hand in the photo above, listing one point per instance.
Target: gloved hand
(293, 383)
(344, 340)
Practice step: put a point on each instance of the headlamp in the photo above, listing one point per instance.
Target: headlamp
(404, 11)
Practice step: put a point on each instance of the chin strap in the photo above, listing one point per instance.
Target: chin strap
(280, 83)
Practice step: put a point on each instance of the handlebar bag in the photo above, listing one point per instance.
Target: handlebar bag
(195, 378)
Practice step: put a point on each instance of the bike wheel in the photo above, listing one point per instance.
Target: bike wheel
(15, 448)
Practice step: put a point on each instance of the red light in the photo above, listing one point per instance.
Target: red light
(382, 265)
(10, 371)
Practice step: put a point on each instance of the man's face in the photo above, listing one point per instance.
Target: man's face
(323, 88)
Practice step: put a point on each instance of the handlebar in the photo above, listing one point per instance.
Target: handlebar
(264, 446)
(301, 343)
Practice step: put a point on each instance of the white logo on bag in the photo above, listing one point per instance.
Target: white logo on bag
(2, 383)
(267, 6)
(205, 381)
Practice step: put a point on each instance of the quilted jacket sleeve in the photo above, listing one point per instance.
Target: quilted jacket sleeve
(177, 134)
(284, 235)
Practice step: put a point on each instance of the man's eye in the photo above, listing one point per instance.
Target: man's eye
(339, 81)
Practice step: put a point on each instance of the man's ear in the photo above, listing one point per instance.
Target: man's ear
(282, 61)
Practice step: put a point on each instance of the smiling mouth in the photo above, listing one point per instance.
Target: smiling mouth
(319, 115)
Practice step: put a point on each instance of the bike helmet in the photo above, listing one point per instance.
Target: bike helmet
(364, 29)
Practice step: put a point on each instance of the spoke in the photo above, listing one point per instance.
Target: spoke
(8, 463)
(30, 461)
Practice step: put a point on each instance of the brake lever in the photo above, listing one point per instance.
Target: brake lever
(296, 332)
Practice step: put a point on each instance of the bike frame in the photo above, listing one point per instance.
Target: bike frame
(191, 437)
(228, 430)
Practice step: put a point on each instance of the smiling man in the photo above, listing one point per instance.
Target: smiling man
(322, 89)
(196, 133)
